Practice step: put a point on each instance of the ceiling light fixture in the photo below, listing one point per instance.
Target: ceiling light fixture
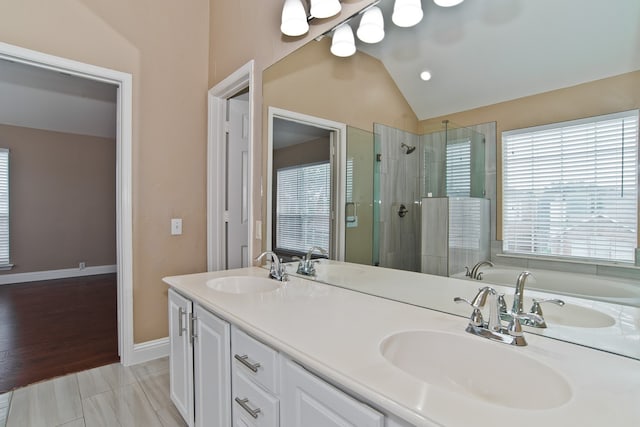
(325, 8)
(343, 43)
(447, 3)
(407, 13)
(371, 29)
(294, 18)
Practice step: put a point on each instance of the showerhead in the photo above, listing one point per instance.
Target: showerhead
(410, 148)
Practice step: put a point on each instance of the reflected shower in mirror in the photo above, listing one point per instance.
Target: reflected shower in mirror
(494, 69)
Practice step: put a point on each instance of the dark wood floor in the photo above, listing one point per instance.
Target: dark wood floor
(56, 327)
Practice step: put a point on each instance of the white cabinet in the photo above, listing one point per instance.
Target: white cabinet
(308, 401)
(221, 377)
(200, 380)
(181, 356)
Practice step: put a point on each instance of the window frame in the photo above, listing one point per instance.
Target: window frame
(508, 245)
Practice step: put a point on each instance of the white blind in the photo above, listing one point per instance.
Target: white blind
(458, 168)
(4, 206)
(465, 225)
(570, 190)
(303, 207)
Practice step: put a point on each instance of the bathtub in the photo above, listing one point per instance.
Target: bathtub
(613, 290)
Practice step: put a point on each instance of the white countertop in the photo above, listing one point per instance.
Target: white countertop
(437, 293)
(337, 333)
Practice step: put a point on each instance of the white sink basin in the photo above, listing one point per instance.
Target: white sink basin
(479, 368)
(576, 316)
(243, 284)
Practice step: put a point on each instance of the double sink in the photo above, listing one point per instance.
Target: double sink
(458, 363)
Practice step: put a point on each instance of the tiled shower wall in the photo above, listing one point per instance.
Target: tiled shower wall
(399, 237)
(406, 178)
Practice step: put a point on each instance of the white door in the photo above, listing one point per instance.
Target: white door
(237, 215)
(181, 356)
(212, 359)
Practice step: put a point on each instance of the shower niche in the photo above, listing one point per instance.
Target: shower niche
(429, 210)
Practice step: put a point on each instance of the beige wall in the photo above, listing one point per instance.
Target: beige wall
(357, 90)
(164, 45)
(62, 199)
(614, 94)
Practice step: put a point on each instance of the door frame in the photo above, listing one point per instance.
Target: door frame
(339, 154)
(124, 211)
(241, 79)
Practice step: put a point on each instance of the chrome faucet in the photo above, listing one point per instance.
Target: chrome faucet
(306, 264)
(277, 270)
(518, 296)
(535, 317)
(475, 272)
(494, 329)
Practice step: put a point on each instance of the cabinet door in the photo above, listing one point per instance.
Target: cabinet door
(308, 401)
(181, 356)
(212, 358)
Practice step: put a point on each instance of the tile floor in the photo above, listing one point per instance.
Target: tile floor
(111, 395)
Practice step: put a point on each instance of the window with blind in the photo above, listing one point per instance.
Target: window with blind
(570, 190)
(458, 168)
(303, 208)
(4, 207)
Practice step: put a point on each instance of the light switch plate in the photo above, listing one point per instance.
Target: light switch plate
(259, 230)
(176, 226)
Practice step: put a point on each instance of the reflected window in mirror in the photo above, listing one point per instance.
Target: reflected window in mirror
(458, 168)
(303, 208)
(570, 190)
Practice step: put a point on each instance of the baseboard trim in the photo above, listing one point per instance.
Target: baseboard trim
(150, 350)
(8, 279)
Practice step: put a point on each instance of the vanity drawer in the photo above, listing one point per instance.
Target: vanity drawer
(256, 360)
(253, 406)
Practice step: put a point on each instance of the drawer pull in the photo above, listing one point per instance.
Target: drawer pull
(245, 361)
(181, 328)
(244, 404)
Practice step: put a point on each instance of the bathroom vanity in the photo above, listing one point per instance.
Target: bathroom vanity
(252, 351)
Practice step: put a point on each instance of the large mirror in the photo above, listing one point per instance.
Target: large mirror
(496, 66)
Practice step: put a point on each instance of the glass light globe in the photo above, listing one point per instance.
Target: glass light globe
(407, 13)
(325, 8)
(343, 43)
(294, 18)
(371, 29)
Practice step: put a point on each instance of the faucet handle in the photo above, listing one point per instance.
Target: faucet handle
(467, 272)
(476, 318)
(536, 309)
(502, 304)
(528, 319)
(460, 299)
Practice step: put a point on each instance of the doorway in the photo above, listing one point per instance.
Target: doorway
(230, 165)
(123, 136)
(320, 165)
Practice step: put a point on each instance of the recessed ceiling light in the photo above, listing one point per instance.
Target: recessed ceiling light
(425, 75)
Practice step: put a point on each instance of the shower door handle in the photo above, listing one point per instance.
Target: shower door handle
(402, 211)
